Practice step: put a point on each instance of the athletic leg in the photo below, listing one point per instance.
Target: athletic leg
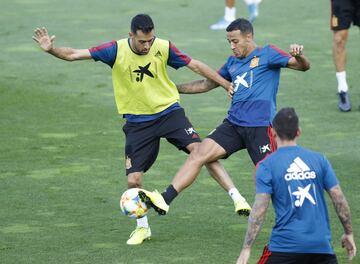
(200, 154)
(141, 150)
(229, 16)
(142, 231)
(253, 9)
(205, 153)
(339, 52)
(220, 175)
(135, 179)
(342, 14)
(339, 55)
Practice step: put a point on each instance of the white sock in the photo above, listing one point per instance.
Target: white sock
(342, 84)
(249, 2)
(234, 194)
(230, 13)
(142, 222)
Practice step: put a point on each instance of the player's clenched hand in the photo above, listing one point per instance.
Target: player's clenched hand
(347, 242)
(230, 91)
(42, 37)
(296, 50)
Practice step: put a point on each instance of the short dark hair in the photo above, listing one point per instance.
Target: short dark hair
(286, 123)
(241, 24)
(142, 22)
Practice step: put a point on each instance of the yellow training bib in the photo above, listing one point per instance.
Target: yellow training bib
(141, 83)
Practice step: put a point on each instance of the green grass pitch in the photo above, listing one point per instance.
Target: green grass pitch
(61, 147)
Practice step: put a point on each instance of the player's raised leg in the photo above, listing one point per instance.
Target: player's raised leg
(206, 153)
(186, 138)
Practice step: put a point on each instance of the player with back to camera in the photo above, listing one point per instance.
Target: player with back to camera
(295, 179)
(149, 101)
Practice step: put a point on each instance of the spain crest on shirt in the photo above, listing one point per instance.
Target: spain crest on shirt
(254, 62)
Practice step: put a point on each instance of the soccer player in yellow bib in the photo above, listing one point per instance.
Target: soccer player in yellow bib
(149, 101)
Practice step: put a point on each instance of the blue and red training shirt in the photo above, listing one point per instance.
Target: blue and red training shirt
(256, 81)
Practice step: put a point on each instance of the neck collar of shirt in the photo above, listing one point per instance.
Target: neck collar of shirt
(251, 54)
(129, 43)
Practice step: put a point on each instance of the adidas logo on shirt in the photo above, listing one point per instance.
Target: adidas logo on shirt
(298, 170)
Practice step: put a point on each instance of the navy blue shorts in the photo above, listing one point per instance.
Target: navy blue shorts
(143, 139)
(343, 13)
(269, 257)
(257, 140)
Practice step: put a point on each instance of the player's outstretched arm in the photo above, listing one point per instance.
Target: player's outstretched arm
(46, 43)
(204, 70)
(200, 86)
(298, 61)
(343, 212)
(256, 219)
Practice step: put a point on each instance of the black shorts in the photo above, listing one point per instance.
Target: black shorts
(257, 140)
(143, 139)
(343, 13)
(269, 257)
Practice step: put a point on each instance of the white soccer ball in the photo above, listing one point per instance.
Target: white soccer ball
(131, 204)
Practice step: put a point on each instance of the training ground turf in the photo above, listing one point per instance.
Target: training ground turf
(61, 145)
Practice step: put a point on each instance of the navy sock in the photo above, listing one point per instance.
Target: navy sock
(169, 194)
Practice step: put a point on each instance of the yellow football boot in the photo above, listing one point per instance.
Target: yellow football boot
(155, 200)
(139, 235)
(242, 207)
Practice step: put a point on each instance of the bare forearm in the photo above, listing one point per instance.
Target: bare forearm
(342, 208)
(303, 63)
(207, 72)
(298, 61)
(70, 54)
(46, 43)
(256, 219)
(200, 86)
(62, 53)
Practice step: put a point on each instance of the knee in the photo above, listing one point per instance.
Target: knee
(197, 156)
(135, 180)
(339, 40)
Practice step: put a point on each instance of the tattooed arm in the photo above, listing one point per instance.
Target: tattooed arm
(343, 212)
(256, 219)
(200, 86)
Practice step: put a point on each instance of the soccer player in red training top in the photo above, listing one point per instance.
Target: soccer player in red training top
(254, 72)
(295, 179)
(149, 101)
